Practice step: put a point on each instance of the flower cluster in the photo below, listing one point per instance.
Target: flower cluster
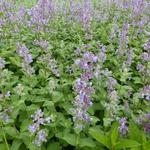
(51, 63)
(145, 56)
(41, 14)
(101, 59)
(43, 44)
(84, 88)
(23, 52)
(145, 122)
(2, 63)
(129, 60)
(123, 129)
(39, 120)
(86, 14)
(123, 39)
(113, 106)
(145, 92)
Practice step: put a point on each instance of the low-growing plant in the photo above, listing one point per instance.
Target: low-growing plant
(75, 75)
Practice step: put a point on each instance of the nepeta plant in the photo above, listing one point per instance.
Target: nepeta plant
(84, 63)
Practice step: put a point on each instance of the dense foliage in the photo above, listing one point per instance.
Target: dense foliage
(75, 75)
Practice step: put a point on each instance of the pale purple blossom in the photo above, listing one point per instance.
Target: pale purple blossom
(41, 14)
(39, 119)
(2, 63)
(8, 94)
(123, 39)
(34, 127)
(145, 56)
(27, 59)
(86, 14)
(144, 121)
(145, 92)
(83, 88)
(23, 52)
(123, 129)
(43, 44)
(51, 63)
(41, 137)
(140, 68)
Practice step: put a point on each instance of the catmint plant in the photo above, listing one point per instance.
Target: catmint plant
(84, 89)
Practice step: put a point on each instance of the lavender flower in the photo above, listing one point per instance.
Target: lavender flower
(111, 83)
(123, 39)
(86, 14)
(43, 44)
(33, 128)
(8, 94)
(145, 56)
(41, 14)
(2, 63)
(129, 60)
(123, 129)
(84, 89)
(23, 52)
(51, 64)
(144, 121)
(140, 68)
(147, 45)
(38, 121)
(40, 138)
(145, 92)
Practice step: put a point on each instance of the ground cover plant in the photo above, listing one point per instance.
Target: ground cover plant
(75, 75)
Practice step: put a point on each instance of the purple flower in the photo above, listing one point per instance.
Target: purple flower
(140, 68)
(84, 90)
(51, 64)
(145, 56)
(38, 121)
(40, 138)
(144, 121)
(147, 45)
(23, 51)
(123, 129)
(86, 14)
(38, 114)
(34, 127)
(41, 14)
(123, 39)
(2, 63)
(111, 83)
(8, 94)
(145, 92)
(43, 44)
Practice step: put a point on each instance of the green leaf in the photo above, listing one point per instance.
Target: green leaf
(146, 146)
(16, 144)
(114, 133)
(134, 132)
(87, 142)
(100, 137)
(126, 144)
(70, 139)
(11, 131)
(54, 146)
(3, 147)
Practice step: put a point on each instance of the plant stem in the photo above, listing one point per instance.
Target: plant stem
(77, 139)
(7, 146)
(5, 141)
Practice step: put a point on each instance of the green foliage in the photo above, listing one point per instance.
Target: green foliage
(55, 95)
